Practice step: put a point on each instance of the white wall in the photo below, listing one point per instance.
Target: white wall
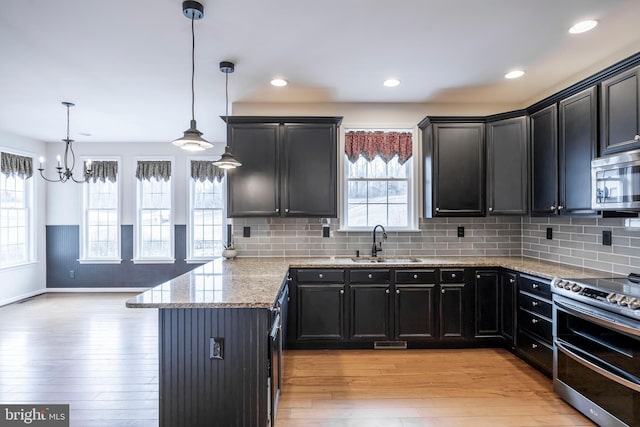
(27, 280)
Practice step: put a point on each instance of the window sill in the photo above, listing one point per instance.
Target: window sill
(18, 266)
(199, 260)
(154, 261)
(100, 261)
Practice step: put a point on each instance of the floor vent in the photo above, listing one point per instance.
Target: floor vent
(390, 345)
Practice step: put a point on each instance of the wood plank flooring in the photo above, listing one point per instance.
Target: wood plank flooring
(90, 351)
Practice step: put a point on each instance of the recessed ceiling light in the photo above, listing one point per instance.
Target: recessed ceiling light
(391, 82)
(279, 82)
(583, 26)
(514, 74)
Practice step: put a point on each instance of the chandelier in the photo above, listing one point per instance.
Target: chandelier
(65, 170)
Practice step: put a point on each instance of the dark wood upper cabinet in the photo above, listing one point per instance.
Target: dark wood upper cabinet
(544, 161)
(454, 163)
(577, 145)
(620, 112)
(508, 166)
(289, 166)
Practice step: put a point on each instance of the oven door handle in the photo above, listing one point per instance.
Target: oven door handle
(613, 377)
(607, 322)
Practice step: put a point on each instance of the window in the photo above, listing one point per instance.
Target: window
(379, 180)
(101, 225)
(206, 193)
(15, 210)
(154, 231)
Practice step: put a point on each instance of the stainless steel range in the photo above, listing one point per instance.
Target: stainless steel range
(596, 330)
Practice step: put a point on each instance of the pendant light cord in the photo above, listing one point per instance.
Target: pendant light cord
(193, 68)
(226, 94)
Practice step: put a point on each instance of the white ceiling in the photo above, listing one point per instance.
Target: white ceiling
(126, 64)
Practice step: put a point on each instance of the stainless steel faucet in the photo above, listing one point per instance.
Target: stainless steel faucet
(378, 247)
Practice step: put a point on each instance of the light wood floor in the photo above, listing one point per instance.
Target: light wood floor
(90, 351)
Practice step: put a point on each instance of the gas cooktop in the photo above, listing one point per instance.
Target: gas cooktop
(619, 294)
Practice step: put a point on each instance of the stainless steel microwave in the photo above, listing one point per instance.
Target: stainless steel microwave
(615, 182)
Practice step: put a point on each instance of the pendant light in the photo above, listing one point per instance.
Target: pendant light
(65, 171)
(192, 139)
(227, 161)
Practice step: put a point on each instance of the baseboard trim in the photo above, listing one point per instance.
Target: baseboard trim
(22, 297)
(97, 290)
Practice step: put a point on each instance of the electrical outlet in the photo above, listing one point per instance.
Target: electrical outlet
(72, 274)
(549, 233)
(460, 231)
(216, 348)
(606, 238)
(246, 231)
(326, 231)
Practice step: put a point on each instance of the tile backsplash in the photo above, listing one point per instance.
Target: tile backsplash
(492, 236)
(578, 241)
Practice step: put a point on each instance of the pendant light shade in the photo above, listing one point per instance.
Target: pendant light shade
(227, 161)
(192, 139)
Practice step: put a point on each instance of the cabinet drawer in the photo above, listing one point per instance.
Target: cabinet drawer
(535, 305)
(536, 351)
(415, 276)
(321, 275)
(535, 286)
(369, 276)
(535, 325)
(451, 275)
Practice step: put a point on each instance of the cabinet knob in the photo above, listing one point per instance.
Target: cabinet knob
(560, 207)
(442, 291)
(477, 276)
(286, 210)
(534, 321)
(437, 209)
(453, 275)
(512, 280)
(370, 276)
(534, 303)
(277, 210)
(490, 209)
(289, 278)
(321, 275)
(341, 291)
(415, 276)
(534, 346)
(386, 291)
(398, 291)
(636, 138)
(553, 207)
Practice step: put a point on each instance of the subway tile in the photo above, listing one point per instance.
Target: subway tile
(626, 250)
(614, 259)
(571, 229)
(611, 222)
(571, 260)
(584, 254)
(584, 221)
(584, 238)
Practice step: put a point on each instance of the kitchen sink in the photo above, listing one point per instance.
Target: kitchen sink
(385, 260)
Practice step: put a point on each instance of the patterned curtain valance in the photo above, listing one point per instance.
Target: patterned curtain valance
(103, 170)
(154, 169)
(370, 144)
(12, 164)
(203, 170)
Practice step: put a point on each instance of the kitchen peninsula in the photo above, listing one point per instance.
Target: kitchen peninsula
(221, 326)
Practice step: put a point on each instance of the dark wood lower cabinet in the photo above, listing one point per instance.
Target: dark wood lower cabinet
(369, 309)
(508, 289)
(535, 326)
(415, 312)
(451, 312)
(487, 298)
(320, 311)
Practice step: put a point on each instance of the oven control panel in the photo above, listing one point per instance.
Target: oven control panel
(580, 291)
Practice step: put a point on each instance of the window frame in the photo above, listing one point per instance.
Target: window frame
(137, 258)
(414, 182)
(30, 190)
(191, 259)
(84, 258)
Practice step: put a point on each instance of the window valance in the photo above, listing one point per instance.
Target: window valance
(203, 170)
(13, 164)
(370, 144)
(160, 170)
(103, 170)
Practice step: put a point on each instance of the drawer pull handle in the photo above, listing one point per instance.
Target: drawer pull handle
(534, 321)
(370, 276)
(415, 276)
(320, 275)
(535, 286)
(534, 346)
(534, 303)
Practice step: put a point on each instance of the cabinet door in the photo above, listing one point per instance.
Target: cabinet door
(544, 164)
(369, 311)
(577, 147)
(620, 112)
(320, 311)
(414, 317)
(451, 312)
(508, 288)
(309, 180)
(252, 189)
(458, 169)
(487, 294)
(508, 167)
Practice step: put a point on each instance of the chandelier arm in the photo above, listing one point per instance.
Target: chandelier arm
(47, 179)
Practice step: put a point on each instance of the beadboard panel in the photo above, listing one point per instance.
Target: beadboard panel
(196, 391)
(63, 251)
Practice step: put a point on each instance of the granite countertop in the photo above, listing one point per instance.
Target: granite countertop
(255, 282)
